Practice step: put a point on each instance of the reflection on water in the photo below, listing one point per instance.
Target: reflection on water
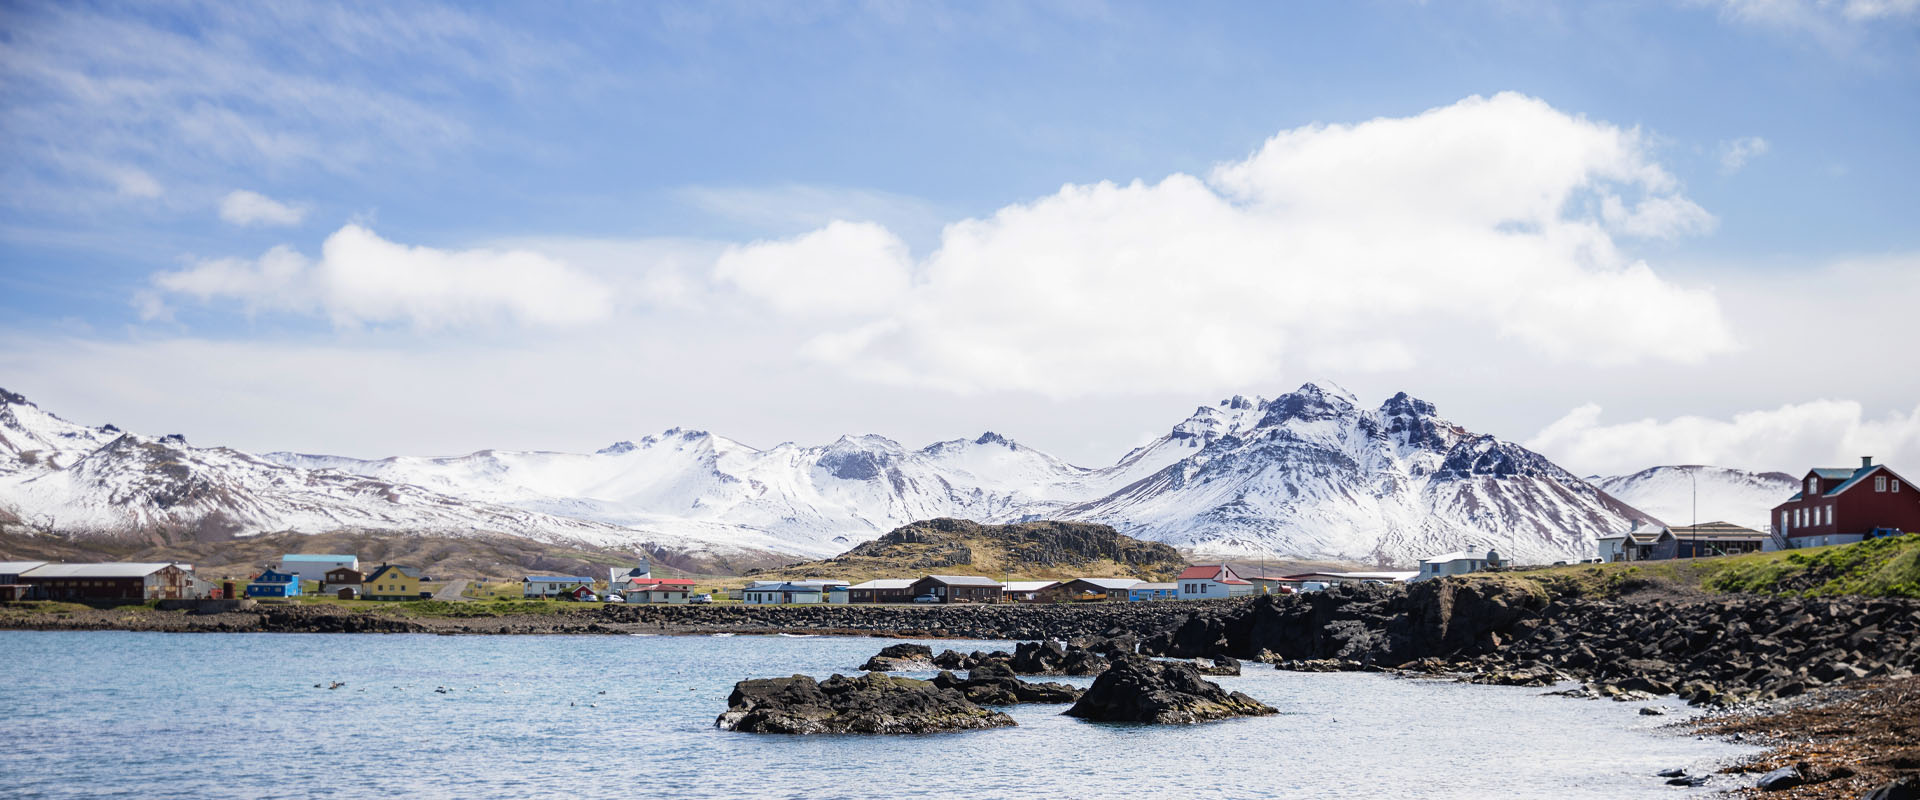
(238, 715)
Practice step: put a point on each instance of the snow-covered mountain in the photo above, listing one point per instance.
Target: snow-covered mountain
(79, 481)
(1312, 474)
(1308, 474)
(1725, 495)
(817, 501)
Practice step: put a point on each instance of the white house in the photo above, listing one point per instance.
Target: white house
(617, 576)
(669, 591)
(1027, 591)
(765, 593)
(553, 585)
(1458, 563)
(315, 566)
(1213, 582)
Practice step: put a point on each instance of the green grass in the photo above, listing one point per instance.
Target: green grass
(1876, 568)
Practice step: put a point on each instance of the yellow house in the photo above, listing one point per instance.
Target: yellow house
(392, 582)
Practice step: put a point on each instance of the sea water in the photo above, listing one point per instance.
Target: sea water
(94, 714)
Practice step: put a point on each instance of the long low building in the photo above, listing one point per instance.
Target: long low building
(111, 581)
(882, 590)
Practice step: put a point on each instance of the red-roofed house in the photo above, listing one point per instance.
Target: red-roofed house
(1212, 582)
(1842, 506)
(672, 591)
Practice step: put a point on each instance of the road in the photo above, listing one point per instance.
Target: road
(451, 592)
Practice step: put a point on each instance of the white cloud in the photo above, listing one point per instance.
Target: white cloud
(242, 207)
(362, 278)
(1491, 223)
(1877, 9)
(845, 267)
(1735, 154)
(1836, 24)
(1789, 438)
(135, 182)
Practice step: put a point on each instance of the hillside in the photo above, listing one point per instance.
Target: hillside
(1025, 550)
(1875, 568)
(1677, 495)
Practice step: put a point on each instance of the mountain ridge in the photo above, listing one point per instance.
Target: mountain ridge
(1310, 474)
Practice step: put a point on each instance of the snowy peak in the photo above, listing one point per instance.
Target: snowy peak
(1311, 402)
(1683, 494)
(31, 438)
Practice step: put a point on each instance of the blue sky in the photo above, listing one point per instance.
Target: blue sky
(626, 151)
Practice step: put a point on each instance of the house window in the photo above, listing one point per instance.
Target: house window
(1879, 483)
(1829, 514)
(1813, 484)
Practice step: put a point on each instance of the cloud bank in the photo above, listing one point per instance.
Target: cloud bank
(1834, 433)
(361, 278)
(1331, 246)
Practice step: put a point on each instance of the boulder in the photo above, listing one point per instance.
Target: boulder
(993, 684)
(1782, 778)
(903, 656)
(870, 703)
(1136, 689)
(1906, 787)
(1217, 665)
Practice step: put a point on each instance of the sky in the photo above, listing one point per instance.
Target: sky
(1622, 233)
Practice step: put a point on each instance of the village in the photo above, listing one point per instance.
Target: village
(1833, 506)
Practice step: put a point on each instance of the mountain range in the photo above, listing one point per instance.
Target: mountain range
(1308, 474)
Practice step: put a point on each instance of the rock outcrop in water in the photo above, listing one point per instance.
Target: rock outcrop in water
(993, 684)
(870, 703)
(1142, 690)
(1027, 658)
(898, 657)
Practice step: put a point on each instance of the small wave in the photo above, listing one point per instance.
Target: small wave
(722, 634)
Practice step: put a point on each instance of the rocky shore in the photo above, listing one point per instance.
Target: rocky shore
(933, 622)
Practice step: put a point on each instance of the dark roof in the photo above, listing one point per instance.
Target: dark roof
(1836, 473)
(963, 580)
(407, 571)
(1857, 477)
(1714, 530)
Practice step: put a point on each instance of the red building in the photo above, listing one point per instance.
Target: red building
(1839, 506)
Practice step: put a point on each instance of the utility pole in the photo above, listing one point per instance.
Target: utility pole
(1693, 477)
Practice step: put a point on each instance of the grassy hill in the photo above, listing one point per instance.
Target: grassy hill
(1026, 550)
(1874, 568)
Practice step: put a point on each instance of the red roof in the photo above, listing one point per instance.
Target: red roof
(1236, 582)
(1202, 573)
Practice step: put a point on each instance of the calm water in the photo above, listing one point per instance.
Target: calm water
(214, 715)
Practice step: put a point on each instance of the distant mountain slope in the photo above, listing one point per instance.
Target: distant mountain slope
(1307, 475)
(1730, 495)
(1042, 550)
(103, 483)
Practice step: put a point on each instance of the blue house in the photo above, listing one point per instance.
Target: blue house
(271, 583)
(1143, 592)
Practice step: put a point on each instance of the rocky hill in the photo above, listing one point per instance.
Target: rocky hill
(1032, 550)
